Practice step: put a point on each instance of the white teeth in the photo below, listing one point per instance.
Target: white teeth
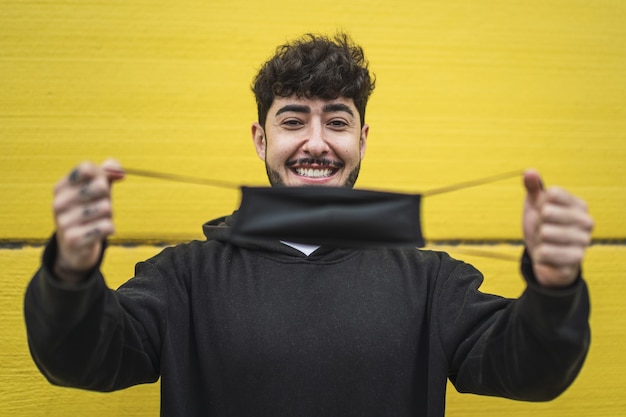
(314, 173)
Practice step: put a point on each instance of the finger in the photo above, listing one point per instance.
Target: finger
(564, 235)
(97, 210)
(79, 174)
(85, 213)
(566, 215)
(557, 195)
(86, 171)
(113, 169)
(97, 187)
(86, 235)
(68, 196)
(533, 185)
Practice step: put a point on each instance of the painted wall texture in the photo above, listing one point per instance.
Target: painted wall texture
(464, 90)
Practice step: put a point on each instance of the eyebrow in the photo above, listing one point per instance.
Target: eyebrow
(297, 108)
(328, 108)
(335, 107)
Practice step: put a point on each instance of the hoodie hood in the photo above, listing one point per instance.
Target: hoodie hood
(220, 229)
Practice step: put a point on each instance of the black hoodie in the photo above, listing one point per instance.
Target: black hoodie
(259, 329)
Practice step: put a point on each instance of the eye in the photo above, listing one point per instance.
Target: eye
(338, 124)
(292, 123)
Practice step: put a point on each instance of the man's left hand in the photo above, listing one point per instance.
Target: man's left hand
(557, 231)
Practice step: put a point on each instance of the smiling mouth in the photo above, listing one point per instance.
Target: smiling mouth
(314, 168)
(315, 172)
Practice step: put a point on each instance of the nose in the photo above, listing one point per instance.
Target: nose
(316, 144)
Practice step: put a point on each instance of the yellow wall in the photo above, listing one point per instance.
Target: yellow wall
(465, 90)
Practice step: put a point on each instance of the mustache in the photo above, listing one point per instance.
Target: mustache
(315, 161)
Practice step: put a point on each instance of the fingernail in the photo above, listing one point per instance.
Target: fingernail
(74, 175)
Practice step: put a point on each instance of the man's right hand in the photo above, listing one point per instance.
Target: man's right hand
(83, 217)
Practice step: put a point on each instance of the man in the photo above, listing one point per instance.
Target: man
(277, 328)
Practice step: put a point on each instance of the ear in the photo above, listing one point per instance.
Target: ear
(363, 140)
(258, 137)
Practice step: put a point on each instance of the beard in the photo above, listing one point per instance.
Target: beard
(277, 181)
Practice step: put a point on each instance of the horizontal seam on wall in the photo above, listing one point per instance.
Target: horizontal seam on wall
(21, 243)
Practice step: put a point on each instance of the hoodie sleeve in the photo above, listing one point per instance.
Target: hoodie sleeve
(81, 335)
(531, 348)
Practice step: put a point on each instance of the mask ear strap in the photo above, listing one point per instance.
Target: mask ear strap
(476, 252)
(233, 186)
(473, 183)
(181, 178)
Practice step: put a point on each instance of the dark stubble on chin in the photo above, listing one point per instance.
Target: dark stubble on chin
(277, 181)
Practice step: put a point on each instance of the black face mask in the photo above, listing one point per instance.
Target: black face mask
(329, 216)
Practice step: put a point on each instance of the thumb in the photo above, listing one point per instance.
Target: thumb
(113, 169)
(533, 184)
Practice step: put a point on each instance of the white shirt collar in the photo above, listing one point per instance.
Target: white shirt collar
(302, 247)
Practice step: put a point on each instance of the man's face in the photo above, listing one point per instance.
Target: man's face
(311, 142)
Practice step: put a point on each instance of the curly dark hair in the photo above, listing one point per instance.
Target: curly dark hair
(315, 66)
